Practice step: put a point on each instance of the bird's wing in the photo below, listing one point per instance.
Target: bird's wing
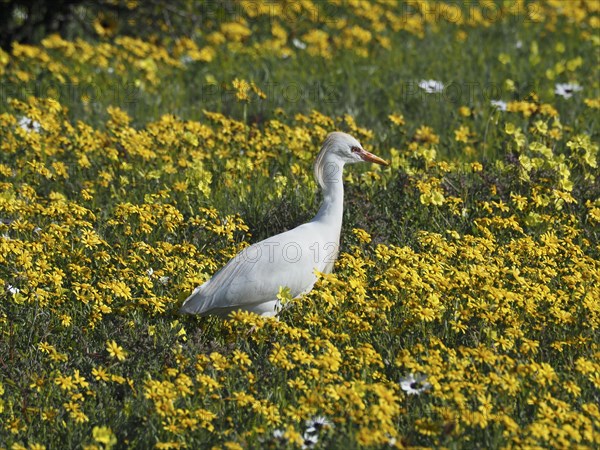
(215, 293)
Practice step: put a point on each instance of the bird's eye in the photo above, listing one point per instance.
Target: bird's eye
(355, 149)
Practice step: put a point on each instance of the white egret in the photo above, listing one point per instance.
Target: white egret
(252, 279)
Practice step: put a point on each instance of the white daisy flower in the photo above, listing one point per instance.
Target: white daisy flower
(164, 279)
(431, 86)
(313, 428)
(318, 423)
(566, 90)
(298, 44)
(29, 125)
(310, 440)
(414, 384)
(499, 104)
(13, 290)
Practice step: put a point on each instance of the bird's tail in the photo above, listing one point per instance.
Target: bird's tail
(193, 304)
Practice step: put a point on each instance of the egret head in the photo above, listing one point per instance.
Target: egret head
(339, 149)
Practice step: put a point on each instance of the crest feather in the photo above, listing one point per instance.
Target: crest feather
(327, 143)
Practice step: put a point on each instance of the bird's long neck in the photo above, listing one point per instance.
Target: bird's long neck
(332, 208)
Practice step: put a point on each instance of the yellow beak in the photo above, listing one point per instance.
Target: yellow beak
(370, 157)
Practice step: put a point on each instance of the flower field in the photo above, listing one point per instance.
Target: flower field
(464, 308)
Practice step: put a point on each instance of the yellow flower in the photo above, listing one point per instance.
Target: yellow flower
(241, 358)
(464, 111)
(117, 379)
(242, 88)
(65, 382)
(572, 388)
(168, 445)
(34, 446)
(396, 119)
(219, 362)
(100, 374)
(46, 348)
(115, 351)
(233, 446)
(235, 31)
(317, 43)
(592, 102)
(260, 94)
(362, 235)
(78, 379)
(118, 117)
(75, 412)
(425, 134)
(104, 435)
(462, 134)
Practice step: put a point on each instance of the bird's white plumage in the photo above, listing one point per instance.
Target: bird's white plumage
(253, 278)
